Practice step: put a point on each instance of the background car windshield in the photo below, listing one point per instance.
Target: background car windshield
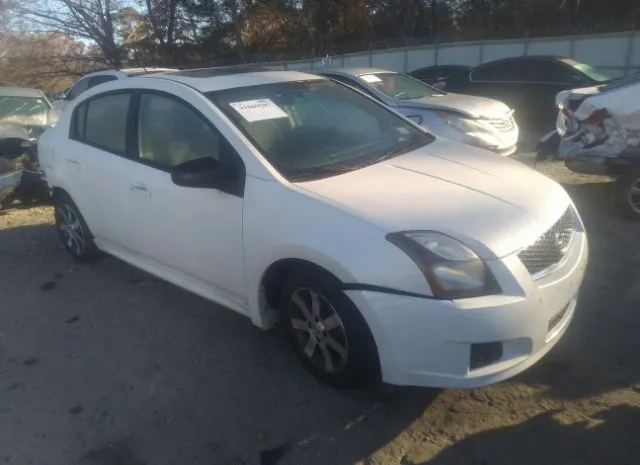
(317, 128)
(22, 109)
(400, 86)
(590, 71)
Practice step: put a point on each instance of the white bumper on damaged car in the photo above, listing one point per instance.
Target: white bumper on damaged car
(474, 342)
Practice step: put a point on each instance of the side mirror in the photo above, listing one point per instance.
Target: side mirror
(202, 173)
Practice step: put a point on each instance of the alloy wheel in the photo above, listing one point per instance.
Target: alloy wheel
(319, 330)
(71, 229)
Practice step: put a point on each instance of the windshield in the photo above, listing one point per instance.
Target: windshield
(317, 128)
(23, 110)
(400, 86)
(622, 82)
(590, 71)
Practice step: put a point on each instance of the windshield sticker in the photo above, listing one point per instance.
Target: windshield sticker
(370, 78)
(258, 110)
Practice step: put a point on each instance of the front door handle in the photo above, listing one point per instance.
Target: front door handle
(74, 163)
(140, 188)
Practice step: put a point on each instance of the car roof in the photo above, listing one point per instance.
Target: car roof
(524, 58)
(352, 71)
(20, 92)
(130, 72)
(212, 79)
(141, 71)
(441, 67)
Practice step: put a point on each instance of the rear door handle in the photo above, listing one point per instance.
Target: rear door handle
(73, 162)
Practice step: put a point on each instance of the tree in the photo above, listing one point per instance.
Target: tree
(87, 19)
(54, 60)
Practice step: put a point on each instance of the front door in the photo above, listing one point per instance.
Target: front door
(196, 232)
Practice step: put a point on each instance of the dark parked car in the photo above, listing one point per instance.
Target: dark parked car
(528, 84)
(438, 75)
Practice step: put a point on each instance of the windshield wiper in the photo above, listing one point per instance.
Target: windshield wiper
(319, 172)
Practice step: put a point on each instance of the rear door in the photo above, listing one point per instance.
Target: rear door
(97, 164)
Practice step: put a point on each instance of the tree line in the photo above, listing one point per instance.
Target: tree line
(67, 37)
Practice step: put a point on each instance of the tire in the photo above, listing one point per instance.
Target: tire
(626, 194)
(73, 231)
(334, 343)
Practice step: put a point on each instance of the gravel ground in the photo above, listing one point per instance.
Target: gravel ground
(106, 365)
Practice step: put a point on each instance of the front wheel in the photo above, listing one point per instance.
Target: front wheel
(326, 330)
(73, 230)
(627, 194)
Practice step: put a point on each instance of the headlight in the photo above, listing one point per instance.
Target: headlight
(471, 128)
(452, 269)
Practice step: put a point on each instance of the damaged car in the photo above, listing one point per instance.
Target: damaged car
(24, 115)
(598, 132)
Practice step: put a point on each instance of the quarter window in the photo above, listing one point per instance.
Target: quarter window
(171, 133)
(106, 122)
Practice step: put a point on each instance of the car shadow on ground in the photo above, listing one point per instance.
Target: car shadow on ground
(599, 352)
(546, 440)
(103, 364)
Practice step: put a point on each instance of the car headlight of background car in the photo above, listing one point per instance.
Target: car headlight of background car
(452, 269)
(471, 128)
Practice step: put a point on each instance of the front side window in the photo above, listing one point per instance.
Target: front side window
(106, 122)
(23, 110)
(317, 128)
(399, 86)
(171, 133)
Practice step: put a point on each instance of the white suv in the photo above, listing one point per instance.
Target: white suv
(100, 77)
(384, 251)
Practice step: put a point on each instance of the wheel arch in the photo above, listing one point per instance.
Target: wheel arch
(273, 278)
(271, 286)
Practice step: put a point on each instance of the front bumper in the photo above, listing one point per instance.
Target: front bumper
(427, 342)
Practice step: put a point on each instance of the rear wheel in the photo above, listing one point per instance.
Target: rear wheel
(327, 332)
(73, 230)
(627, 194)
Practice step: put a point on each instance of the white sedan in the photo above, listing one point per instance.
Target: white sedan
(385, 252)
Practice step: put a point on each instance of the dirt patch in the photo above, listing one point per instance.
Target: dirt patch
(187, 382)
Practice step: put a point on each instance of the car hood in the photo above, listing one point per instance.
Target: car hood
(10, 131)
(474, 107)
(494, 205)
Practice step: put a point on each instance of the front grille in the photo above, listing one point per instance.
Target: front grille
(501, 124)
(551, 247)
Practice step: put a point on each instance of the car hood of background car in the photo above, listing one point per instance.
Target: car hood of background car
(493, 204)
(475, 107)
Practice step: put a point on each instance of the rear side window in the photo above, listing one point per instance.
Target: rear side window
(78, 88)
(105, 122)
(502, 72)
